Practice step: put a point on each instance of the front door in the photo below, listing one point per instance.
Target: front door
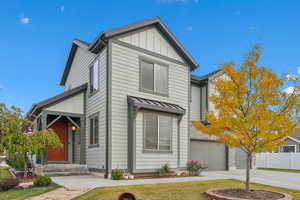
(59, 154)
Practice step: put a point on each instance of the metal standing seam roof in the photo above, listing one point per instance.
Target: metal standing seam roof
(155, 105)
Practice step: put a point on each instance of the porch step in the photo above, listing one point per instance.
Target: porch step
(62, 169)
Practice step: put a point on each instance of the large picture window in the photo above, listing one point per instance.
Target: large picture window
(157, 132)
(94, 129)
(154, 77)
(94, 80)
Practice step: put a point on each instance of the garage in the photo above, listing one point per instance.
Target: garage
(240, 158)
(210, 152)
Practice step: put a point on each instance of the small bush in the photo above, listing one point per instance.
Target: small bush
(117, 174)
(195, 167)
(164, 169)
(16, 161)
(42, 181)
(9, 184)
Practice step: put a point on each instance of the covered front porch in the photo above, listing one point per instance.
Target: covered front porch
(64, 114)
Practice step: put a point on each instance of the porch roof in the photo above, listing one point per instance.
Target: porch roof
(38, 107)
(140, 102)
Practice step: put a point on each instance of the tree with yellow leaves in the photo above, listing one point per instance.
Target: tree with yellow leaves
(253, 113)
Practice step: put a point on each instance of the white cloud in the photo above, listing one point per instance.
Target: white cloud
(62, 8)
(189, 28)
(298, 71)
(24, 20)
(289, 90)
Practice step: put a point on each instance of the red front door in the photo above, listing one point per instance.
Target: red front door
(59, 154)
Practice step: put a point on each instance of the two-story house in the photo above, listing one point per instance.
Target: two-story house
(128, 102)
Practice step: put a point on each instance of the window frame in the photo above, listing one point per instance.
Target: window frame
(154, 62)
(93, 118)
(91, 83)
(288, 145)
(158, 150)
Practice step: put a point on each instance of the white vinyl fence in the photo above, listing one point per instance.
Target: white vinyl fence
(278, 160)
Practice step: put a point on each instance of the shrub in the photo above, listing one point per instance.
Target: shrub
(117, 174)
(42, 181)
(9, 184)
(195, 167)
(164, 169)
(16, 161)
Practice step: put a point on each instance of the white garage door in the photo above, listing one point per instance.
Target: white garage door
(212, 153)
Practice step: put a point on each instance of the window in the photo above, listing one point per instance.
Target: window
(203, 101)
(94, 81)
(154, 77)
(94, 130)
(288, 149)
(157, 132)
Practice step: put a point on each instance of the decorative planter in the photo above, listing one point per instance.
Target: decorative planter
(213, 195)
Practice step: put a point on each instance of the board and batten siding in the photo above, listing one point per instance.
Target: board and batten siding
(95, 156)
(71, 105)
(151, 39)
(125, 81)
(78, 75)
(150, 161)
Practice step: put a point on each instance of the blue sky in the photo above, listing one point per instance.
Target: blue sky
(35, 36)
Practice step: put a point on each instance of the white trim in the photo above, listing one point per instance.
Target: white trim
(295, 140)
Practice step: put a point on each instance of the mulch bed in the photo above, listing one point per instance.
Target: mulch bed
(242, 194)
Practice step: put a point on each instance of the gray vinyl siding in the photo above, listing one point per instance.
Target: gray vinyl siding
(78, 74)
(149, 161)
(195, 103)
(125, 81)
(95, 156)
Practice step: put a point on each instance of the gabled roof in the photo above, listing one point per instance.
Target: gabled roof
(296, 135)
(37, 107)
(101, 41)
(203, 79)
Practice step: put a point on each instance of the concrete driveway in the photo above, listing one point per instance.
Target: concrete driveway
(279, 179)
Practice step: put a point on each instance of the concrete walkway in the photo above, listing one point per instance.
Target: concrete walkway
(59, 194)
(89, 181)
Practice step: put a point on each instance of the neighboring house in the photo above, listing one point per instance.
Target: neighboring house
(127, 103)
(291, 144)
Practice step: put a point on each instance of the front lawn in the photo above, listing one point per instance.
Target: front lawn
(174, 191)
(4, 174)
(26, 193)
(281, 170)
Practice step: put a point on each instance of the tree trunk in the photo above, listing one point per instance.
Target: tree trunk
(248, 167)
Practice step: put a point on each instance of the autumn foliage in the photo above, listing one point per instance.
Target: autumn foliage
(253, 113)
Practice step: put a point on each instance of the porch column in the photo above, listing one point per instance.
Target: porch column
(82, 141)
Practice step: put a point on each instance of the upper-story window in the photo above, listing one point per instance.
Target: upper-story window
(94, 81)
(154, 77)
(203, 101)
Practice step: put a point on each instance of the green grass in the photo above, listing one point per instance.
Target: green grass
(174, 191)
(4, 174)
(26, 193)
(281, 170)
